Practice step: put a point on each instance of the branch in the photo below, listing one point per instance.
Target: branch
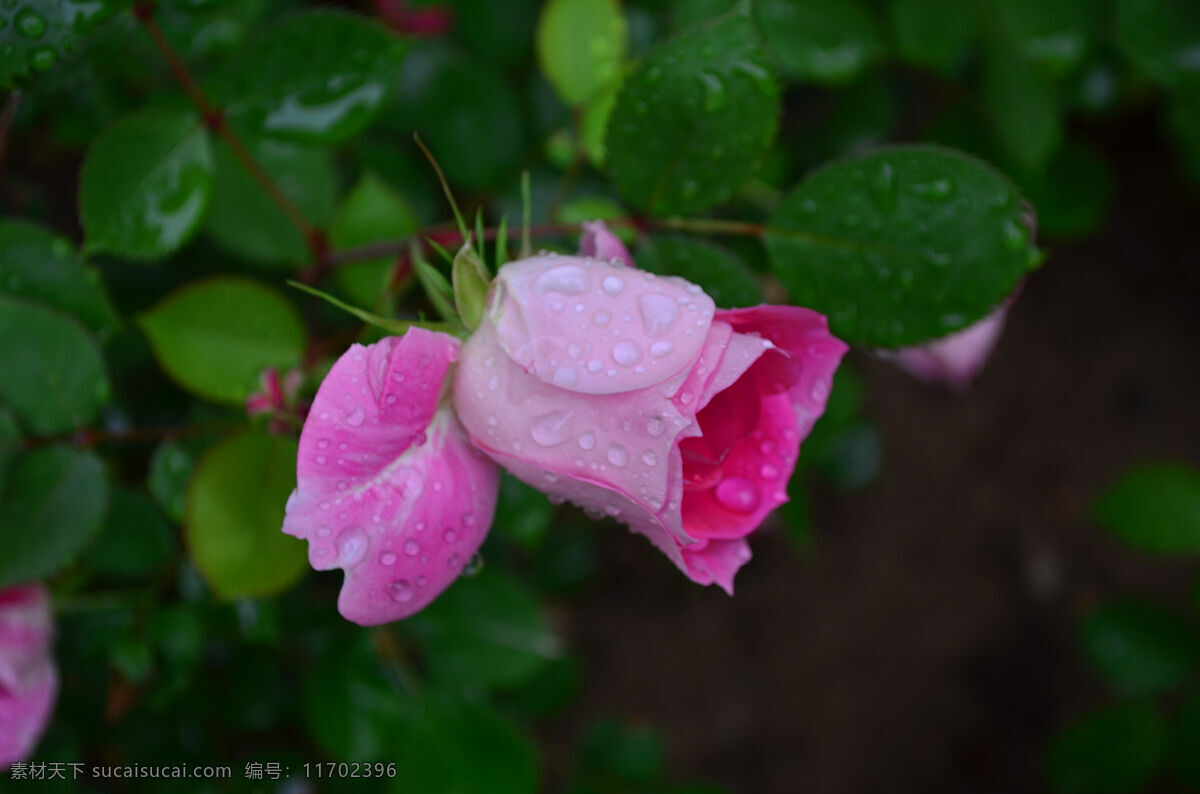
(214, 119)
(88, 437)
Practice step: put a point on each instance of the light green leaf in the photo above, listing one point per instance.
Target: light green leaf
(593, 122)
(580, 46)
(1154, 507)
(215, 337)
(1140, 648)
(52, 504)
(903, 245)
(234, 514)
(1116, 750)
(470, 280)
(936, 34)
(720, 272)
(822, 41)
(1162, 39)
(372, 212)
(485, 629)
(36, 34)
(145, 184)
(247, 222)
(44, 268)
(318, 76)
(54, 377)
(695, 119)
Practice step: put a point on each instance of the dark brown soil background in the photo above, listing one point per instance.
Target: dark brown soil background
(927, 643)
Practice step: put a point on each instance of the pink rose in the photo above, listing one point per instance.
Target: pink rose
(631, 395)
(389, 487)
(956, 359)
(28, 677)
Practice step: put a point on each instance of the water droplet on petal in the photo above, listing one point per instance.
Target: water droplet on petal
(617, 455)
(627, 353)
(567, 279)
(565, 377)
(738, 494)
(412, 548)
(449, 536)
(401, 591)
(820, 390)
(552, 428)
(352, 546)
(601, 319)
(659, 313)
(387, 558)
(650, 458)
(768, 472)
(613, 285)
(661, 348)
(656, 426)
(587, 440)
(356, 417)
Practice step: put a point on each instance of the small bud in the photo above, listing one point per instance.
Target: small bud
(470, 279)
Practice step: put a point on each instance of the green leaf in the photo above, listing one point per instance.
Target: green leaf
(52, 504)
(372, 212)
(466, 112)
(484, 630)
(351, 710)
(449, 745)
(1022, 107)
(522, 512)
(437, 289)
(10, 443)
(902, 245)
(936, 34)
(1053, 37)
(215, 337)
(1117, 750)
(318, 76)
(145, 184)
(1073, 193)
(625, 753)
(695, 119)
(580, 46)
(247, 222)
(234, 514)
(1186, 744)
(37, 34)
(170, 472)
(53, 375)
(136, 542)
(593, 122)
(1162, 39)
(722, 274)
(821, 41)
(501, 32)
(1140, 648)
(1154, 507)
(44, 268)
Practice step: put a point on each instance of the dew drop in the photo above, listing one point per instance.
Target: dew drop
(356, 417)
(595, 365)
(883, 187)
(587, 440)
(601, 319)
(738, 494)
(617, 455)
(626, 353)
(768, 471)
(449, 536)
(1015, 237)
(661, 348)
(574, 350)
(659, 313)
(454, 561)
(613, 285)
(30, 23)
(412, 548)
(401, 591)
(352, 546)
(820, 390)
(552, 428)
(656, 426)
(567, 279)
(473, 566)
(650, 458)
(387, 558)
(565, 377)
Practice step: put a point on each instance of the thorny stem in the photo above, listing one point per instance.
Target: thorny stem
(214, 119)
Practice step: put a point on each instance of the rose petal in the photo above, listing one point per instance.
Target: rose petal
(388, 486)
(28, 676)
(716, 562)
(598, 242)
(590, 327)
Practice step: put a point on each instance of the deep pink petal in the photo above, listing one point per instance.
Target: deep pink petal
(716, 562)
(598, 242)
(388, 486)
(28, 676)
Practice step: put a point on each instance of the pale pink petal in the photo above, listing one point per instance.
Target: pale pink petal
(598, 242)
(388, 486)
(954, 360)
(593, 328)
(28, 676)
(716, 562)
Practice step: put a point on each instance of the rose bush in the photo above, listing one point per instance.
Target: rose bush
(28, 675)
(626, 393)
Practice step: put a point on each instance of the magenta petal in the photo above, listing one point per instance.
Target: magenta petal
(599, 243)
(28, 677)
(388, 486)
(716, 562)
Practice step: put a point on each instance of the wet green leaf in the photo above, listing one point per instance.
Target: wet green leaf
(318, 76)
(350, 708)
(1073, 193)
(42, 267)
(821, 41)
(215, 337)
(580, 45)
(1140, 648)
(35, 35)
(170, 472)
(1052, 37)
(1154, 507)
(235, 512)
(1116, 750)
(695, 119)
(145, 184)
(1162, 39)
(53, 501)
(54, 378)
(247, 222)
(936, 34)
(902, 245)
(1022, 107)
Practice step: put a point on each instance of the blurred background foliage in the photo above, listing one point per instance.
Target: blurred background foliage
(142, 299)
